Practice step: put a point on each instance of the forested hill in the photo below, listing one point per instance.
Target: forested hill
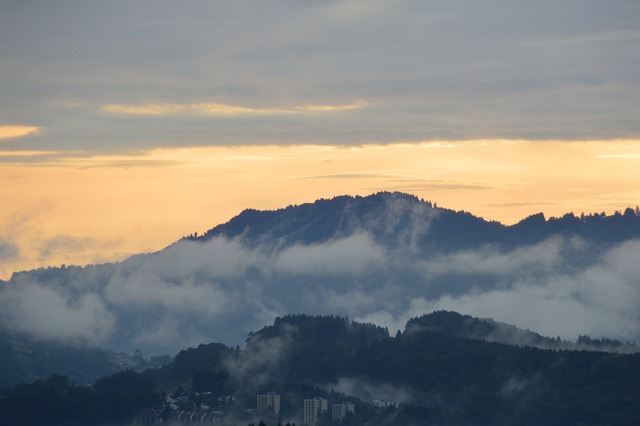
(23, 359)
(454, 324)
(396, 218)
(320, 329)
(436, 376)
(388, 256)
(427, 375)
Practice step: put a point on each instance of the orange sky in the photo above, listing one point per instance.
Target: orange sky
(125, 125)
(85, 209)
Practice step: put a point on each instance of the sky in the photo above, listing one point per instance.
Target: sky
(125, 125)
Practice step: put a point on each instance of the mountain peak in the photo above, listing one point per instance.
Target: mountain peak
(325, 219)
(365, 257)
(398, 219)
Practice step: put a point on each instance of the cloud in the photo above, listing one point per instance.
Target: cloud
(50, 248)
(29, 216)
(163, 334)
(347, 256)
(344, 176)
(420, 185)
(251, 367)
(48, 313)
(599, 300)
(629, 156)
(222, 110)
(368, 391)
(152, 292)
(219, 290)
(7, 132)
(25, 240)
(544, 256)
(219, 257)
(605, 37)
(27, 156)
(315, 109)
(8, 250)
(358, 299)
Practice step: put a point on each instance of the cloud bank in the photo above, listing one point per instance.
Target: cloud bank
(195, 292)
(426, 70)
(7, 132)
(222, 110)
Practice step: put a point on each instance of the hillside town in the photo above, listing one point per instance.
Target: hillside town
(205, 408)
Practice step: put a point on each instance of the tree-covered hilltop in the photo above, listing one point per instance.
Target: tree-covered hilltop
(395, 218)
(466, 326)
(430, 373)
(449, 378)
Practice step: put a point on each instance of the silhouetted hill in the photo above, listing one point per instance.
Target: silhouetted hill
(24, 360)
(383, 258)
(392, 219)
(320, 329)
(430, 373)
(397, 218)
(454, 324)
(594, 227)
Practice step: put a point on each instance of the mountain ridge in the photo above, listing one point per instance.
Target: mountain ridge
(382, 258)
(339, 216)
(425, 375)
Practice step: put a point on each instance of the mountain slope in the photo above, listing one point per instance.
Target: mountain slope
(429, 375)
(23, 360)
(397, 218)
(382, 258)
(392, 219)
(453, 324)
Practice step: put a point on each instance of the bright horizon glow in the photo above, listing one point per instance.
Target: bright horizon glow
(106, 207)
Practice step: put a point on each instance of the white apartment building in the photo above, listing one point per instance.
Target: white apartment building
(313, 408)
(339, 411)
(269, 403)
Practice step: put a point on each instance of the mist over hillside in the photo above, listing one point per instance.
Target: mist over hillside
(384, 259)
(428, 373)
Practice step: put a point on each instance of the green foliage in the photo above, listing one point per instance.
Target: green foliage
(57, 401)
(211, 381)
(321, 348)
(449, 379)
(24, 359)
(10, 369)
(201, 368)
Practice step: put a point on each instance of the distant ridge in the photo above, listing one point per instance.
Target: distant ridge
(397, 218)
(428, 374)
(454, 324)
(381, 258)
